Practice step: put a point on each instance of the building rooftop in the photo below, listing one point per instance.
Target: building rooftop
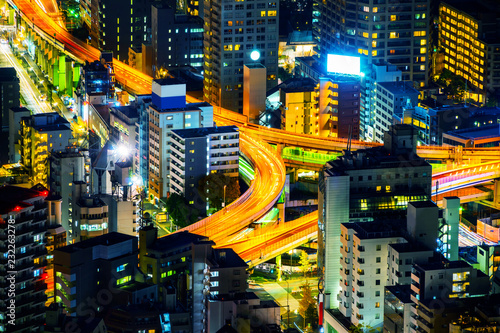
(399, 87)
(226, 258)
(167, 81)
(371, 158)
(423, 204)
(204, 131)
(12, 197)
(90, 202)
(189, 107)
(179, 239)
(295, 84)
(8, 74)
(475, 133)
(379, 228)
(401, 292)
(108, 239)
(431, 266)
(301, 38)
(46, 122)
(409, 247)
(129, 111)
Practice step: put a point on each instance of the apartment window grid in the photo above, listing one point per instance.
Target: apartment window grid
(464, 53)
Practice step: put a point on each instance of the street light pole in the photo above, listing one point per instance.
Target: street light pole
(224, 203)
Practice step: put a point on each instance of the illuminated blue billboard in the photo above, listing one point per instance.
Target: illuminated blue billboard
(343, 64)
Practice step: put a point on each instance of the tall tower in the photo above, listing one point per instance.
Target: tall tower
(393, 31)
(234, 30)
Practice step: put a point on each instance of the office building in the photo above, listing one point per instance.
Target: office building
(116, 26)
(67, 167)
(141, 156)
(123, 121)
(254, 91)
(392, 97)
(56, 238)
(339, 100)
(98, 78)
(442, 291)
(476, 137)
(9, 95)
(365, 184)
(190, 264)
(488, 259)
(397, 309)
(15, 115)
(233, 30)
(297, 103)
(27, 211)
(42, 134)
(90, 217)
(94, 269)
(198, 152)
(380, 72)
(468, 35)
(377, 30)
(177, 40)
(363, 270)
(169, 111)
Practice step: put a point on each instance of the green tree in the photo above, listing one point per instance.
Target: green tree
(181, 213)
(305, 303)
(211, 189)
(361, 328)
(453, 85)
(305, 265)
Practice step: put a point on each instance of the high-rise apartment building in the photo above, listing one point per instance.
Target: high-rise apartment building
(363, 185)
(117, 25)
(169, 111)
(67, 167)
(89, 269)
(380, 72)
(339, 100)
(298, 106)
(394, 31)
(195, 153)
(41, 134)
(233, 30)
(469, 38)
(391, 98)
(15, 115)
(177, 40)
(9, 97)
(23, 214)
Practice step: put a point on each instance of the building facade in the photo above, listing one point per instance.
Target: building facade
(177, 40)
(362, 185)
(233, 30)
(391, 99)
(195, 153)
(339, 105)
(22, 291)
(9, 96)
(42, 134)
(377, 30)
(169, 111)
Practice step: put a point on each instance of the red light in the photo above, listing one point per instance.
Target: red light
(45, 193)
(45, 276)
(17, 208)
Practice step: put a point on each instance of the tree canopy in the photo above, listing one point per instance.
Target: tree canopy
(308, 306)
(181, 213)
(211, 189)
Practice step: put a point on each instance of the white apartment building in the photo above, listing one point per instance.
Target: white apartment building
(169, 111)
(364, 269)
(197, 152)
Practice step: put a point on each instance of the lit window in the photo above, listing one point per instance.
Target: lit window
(379, 188)
(393, 18)
(393, 34)
(120, 268)
(377, 304)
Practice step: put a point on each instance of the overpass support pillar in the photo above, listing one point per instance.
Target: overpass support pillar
(279, 149)
(281, 214)
(279, 268)
(496, 193)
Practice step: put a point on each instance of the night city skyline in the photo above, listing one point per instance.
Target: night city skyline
(249, 166)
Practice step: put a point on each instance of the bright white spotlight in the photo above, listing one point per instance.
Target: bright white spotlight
(122, 151)
(255, 55)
